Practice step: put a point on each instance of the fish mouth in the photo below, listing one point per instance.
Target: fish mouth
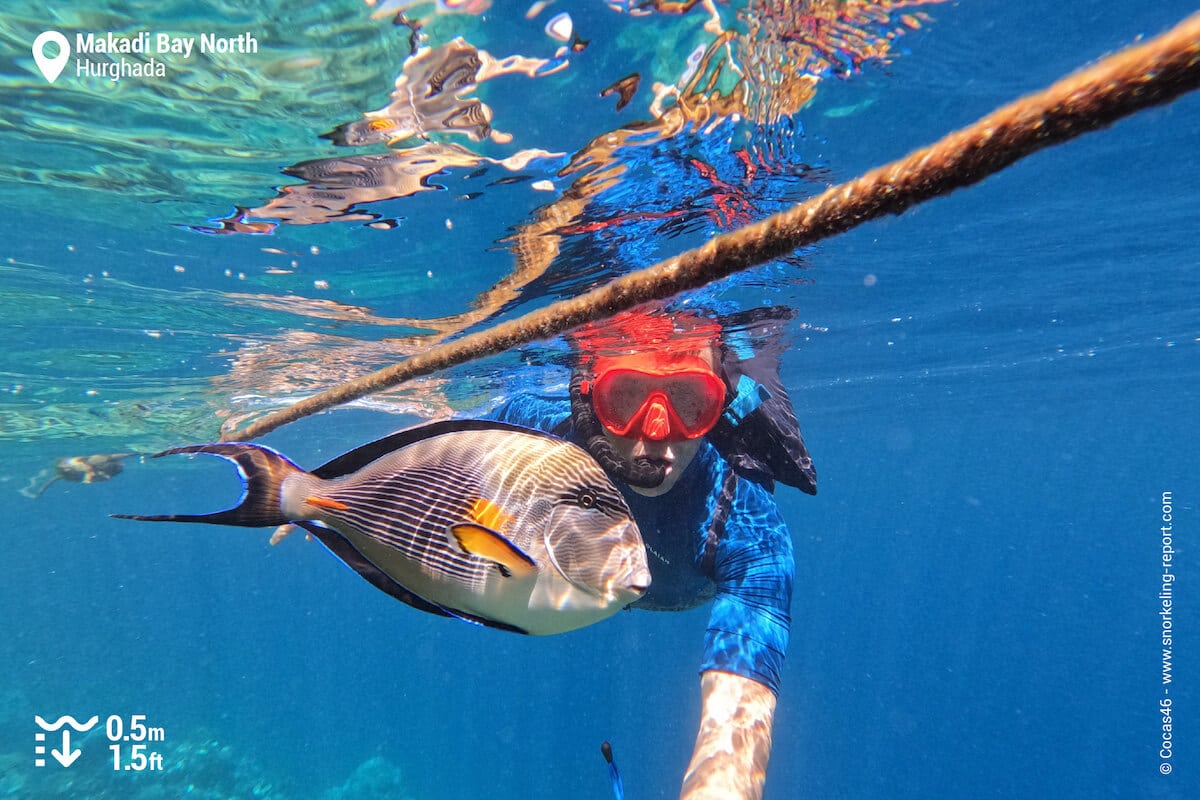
(638, 583)
(641, 581)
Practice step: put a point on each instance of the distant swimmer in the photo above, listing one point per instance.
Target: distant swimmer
(78, 469)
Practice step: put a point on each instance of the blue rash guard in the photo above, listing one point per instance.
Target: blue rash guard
(734, 550)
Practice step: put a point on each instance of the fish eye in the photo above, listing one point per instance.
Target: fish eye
(586, 498)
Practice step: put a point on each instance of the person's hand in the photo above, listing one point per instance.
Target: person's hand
(729, 761)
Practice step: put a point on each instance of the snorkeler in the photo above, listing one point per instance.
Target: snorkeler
(695, 431)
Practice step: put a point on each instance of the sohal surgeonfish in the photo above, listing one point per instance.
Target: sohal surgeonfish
(493, 523)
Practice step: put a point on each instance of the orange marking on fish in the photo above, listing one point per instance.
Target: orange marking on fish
(325, 502)
(488, 514)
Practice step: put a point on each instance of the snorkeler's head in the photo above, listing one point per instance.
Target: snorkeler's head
(646, 391)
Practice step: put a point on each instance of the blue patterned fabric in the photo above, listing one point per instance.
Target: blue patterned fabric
(750, 581)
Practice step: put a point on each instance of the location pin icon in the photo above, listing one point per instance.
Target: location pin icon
(51, 67)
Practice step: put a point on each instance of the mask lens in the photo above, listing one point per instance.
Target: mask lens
(619, 395)
(696, 399)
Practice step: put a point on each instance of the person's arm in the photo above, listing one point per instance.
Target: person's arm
(744, 650)
(729, 761)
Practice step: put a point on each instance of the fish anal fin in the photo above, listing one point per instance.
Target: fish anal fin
(486, 543)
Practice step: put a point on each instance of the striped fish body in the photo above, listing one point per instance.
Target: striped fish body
(489, 522)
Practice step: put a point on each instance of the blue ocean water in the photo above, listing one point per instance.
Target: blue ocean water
(997, 388)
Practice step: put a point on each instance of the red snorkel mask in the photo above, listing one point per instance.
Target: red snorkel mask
(658, 397)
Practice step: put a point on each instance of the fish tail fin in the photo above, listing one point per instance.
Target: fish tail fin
(262, 471)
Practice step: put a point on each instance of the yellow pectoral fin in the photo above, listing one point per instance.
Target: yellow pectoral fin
(486, 543)
(325, 502)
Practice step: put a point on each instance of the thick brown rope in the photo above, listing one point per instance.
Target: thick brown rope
(1145, 75)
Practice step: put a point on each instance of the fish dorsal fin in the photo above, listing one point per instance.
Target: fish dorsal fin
(473, 538)
(359, 457)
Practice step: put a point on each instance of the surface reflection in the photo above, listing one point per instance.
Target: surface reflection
(718, 145)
